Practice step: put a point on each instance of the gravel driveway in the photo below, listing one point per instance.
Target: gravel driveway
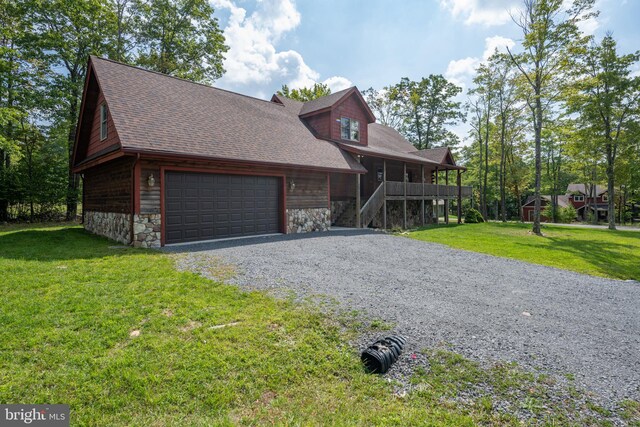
(487, 308)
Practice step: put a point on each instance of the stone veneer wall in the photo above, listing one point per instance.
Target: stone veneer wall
(146, 229)
(113, 225)
(117, 226)
(306, 220)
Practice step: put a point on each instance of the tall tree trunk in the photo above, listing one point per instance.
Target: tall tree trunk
(538, 159)
(72, 179)
(611, 208)
(503, 172)
(485, 213)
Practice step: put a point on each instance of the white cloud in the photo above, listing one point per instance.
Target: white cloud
(482, 12)
(498, 43)
(253, 59)
(337, 83)
(461, 71)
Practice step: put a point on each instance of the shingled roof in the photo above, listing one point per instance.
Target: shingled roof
(329, 101)
(155, 113)
(580, 188)
(438, 155)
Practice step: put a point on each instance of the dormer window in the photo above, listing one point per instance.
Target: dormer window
(349, 129)
(605, 197)
(103, 122)
(578, 198)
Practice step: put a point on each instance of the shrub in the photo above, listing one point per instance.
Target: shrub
(567, 214)
(472, 216)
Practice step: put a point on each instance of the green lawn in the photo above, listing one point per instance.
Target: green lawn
(605, 253)
(126, 339)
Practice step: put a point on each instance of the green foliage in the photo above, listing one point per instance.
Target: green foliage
(472, 216)
(564, 215)
(386, 108)
(44, 52)
(427, 107)
(607, 100)
(304, 94)
(180, 38)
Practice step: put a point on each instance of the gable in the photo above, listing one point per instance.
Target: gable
(89, 144)
(324, 114)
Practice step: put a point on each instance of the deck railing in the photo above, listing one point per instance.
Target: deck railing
(415, 189)
(373, 205)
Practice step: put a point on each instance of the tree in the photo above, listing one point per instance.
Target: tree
(427, 107)
(179, 38)
(65, 33)
(607, 99)
(304, 94)
(549, 34)
(387, 110)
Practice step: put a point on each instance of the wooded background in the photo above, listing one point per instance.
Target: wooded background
(560, 107)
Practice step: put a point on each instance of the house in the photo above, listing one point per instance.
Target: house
(164, 160)
(577, 195)
(545, 200)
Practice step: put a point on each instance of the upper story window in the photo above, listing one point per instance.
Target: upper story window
(349, 129)
(578, 198)
(605, 197)
(103, 121)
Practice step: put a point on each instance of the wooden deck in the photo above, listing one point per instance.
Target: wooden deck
(418, 191)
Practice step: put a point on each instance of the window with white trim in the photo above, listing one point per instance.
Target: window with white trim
(103, 122)
(349, 129)
(605, 197)
(578, 198)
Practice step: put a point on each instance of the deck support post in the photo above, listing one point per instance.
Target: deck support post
(404, 200)
(422, 199)
(446, 201)
(384, 192)
(459, 198)
(358, 207)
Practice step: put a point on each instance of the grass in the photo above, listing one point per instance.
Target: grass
(126, 339)
(613, 254)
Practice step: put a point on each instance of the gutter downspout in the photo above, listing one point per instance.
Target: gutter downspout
(133, 196)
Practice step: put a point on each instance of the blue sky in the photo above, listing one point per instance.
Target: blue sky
(376, 42)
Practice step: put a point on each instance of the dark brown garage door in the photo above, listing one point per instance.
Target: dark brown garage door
(202, 206)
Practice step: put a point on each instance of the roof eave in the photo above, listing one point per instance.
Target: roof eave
(173, 155)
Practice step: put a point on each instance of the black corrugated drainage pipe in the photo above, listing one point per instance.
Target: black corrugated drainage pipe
(379, 356)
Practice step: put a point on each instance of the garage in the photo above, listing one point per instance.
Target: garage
(205, 206)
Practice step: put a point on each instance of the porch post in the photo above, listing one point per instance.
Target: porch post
(404, 201)
(422, 200)
(384, 193)
(446, 202)
(459, 198)
(358, 207)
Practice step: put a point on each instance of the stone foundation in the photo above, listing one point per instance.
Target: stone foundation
(113, 225)
(146, 229)
(307, 220)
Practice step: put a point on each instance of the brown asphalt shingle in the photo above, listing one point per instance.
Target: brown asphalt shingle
(162, 114)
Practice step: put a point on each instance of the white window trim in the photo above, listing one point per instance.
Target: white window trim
(578, 198)
(605, 197)
(350, 121)
(104, 120)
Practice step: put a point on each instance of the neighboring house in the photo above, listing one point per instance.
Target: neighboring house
(527, 208)
(164, 161)
(577, 197)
